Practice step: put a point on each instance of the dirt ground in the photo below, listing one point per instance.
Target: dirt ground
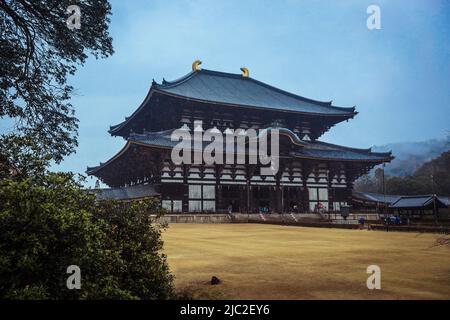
(280, 262)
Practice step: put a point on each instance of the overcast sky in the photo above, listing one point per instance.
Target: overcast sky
(397, 77)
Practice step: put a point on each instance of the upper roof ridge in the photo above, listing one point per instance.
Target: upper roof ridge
(343, 147)
(236, 90)
(170, 84)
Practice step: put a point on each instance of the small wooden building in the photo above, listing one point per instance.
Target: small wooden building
(372, 202)
(420, 205)
(412, 206)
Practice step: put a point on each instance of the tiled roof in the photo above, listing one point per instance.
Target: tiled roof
(311, 150)
(328, 151)
(315, 149)
(419, 201)
(445, 200)
(234, 89)
(126, 193)
(375, 197)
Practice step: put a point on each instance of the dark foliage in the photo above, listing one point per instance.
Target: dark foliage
(49, 225)
(431, 177)
(37, 54)
(47, 221)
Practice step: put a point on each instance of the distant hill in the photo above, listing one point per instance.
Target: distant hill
(410, 156)
(432, 177)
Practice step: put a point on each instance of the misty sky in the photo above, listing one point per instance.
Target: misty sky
(397, 77)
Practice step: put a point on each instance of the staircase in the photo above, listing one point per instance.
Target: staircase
(323, 216)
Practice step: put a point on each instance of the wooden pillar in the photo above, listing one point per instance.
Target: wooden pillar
(333, 170)
(349, 179)
(278, 197)
(249, 198)
(306, 171)
(298, 199)
(278, 187)
(185, 203)
(241, 198)
(219, 202)
(273, 198)
(219, 198)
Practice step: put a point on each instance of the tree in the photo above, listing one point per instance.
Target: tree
(437, 171)
(374, 184)
(21, 157)
(431, 177)
(49, 225)
(365, 184)
(37, 54)
(47, 221)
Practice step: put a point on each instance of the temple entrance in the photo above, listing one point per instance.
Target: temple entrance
(257, 199)
(293, 199)
(261, 199)
(232, 197)
(266, 199)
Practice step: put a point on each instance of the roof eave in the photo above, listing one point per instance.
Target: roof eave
(115, 129)
(345, 116)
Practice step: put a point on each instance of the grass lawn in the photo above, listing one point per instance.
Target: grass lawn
(279, 262)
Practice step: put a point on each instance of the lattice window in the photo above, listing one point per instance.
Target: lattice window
(202, 198)
(172, 205)
(318, 199)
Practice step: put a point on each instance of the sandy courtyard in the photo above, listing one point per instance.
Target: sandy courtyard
(278, 262)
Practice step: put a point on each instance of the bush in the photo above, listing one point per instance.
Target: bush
(49, 224)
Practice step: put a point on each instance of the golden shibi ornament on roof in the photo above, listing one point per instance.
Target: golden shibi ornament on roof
(196, 65)
(245, 72)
